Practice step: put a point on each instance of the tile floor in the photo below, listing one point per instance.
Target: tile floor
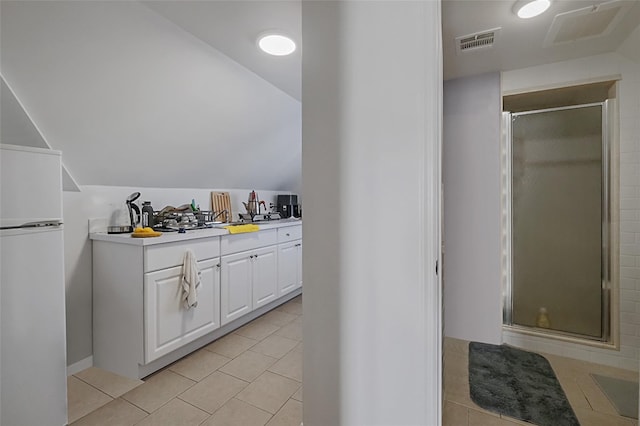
(252, 376)
(589, 403)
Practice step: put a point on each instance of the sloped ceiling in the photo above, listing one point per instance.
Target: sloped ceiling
(232, 27)
(131, 99)
(17, 128)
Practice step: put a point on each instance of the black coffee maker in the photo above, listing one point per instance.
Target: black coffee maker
(288, 206)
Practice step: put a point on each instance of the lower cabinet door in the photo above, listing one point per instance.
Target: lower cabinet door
(265, 275)
(168, 324)
(235, 286)
(287, 267)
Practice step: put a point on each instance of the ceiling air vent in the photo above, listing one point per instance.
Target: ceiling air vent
(480, 40)
(588, 22)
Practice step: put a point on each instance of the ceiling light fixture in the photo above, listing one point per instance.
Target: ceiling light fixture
(276, 44)
(526, 9)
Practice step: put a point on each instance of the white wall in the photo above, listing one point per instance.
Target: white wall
(131, 99)
(471, 177)
(372, 76)
(107, 202)
(582, 70)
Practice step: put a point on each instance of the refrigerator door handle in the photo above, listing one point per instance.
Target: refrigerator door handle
(37, 224)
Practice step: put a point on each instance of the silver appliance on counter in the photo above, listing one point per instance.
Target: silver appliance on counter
(33, 361)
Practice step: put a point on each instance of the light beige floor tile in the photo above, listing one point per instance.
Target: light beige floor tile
(298, 395)
(231, 345)
(289, 415)
(452, 345)
(83, 398)
(481, 418)
(455, 414)
(213, 392)
(175, 413)
(597, 400)
(289, 366)
(574, 394)
(618, 373)
(157, 390)
(236, 412)
(293, 331)
(199, 364)
(112, 384)
(116, 413)
(298, 347)
(269, 392)
(297, 299)
(278, 318)
(291, 307)
(274, 346)
(248, 365)
(593, 418)
(257, 329)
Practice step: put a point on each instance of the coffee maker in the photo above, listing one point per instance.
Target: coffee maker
(287, 206)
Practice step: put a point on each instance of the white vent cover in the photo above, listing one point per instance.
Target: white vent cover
(480, 40)
(589, 22)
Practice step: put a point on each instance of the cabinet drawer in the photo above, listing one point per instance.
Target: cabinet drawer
(289, 233)
(249, 241)
(163, 256)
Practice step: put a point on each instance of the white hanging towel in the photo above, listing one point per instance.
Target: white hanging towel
(190, 280)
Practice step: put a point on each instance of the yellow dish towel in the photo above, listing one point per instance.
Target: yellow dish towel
(238, 229)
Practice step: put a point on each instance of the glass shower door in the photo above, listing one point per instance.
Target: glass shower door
(558, 219)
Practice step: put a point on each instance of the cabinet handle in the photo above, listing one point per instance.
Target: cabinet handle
(288, 235)
(218, 265)
(251, 257)
(256, 256)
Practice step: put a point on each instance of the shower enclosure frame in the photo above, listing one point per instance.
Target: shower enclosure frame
(608, 325)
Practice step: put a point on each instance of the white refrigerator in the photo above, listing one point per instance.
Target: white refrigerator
(33, 385)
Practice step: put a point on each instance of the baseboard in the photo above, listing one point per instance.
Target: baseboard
(77, 367)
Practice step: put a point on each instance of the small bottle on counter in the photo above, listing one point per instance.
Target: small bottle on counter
(147, 215)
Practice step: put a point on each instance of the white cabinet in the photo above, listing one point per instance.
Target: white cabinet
(248, 281)
(289, 266)
(139, 322)
(235, 288)
(265, 276)
(289, 259)
(168, 324)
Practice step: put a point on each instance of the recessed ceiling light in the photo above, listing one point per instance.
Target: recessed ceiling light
(526, 9)
(276, 44)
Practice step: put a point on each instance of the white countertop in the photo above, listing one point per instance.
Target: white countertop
(170, 237)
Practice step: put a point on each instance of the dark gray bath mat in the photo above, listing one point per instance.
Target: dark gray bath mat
(623, 394)
(518, 384)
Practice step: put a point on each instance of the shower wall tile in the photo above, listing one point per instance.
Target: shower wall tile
(632, 341)
(628, 191)
(627, 237)
(628, 260)
(628, 329)
(632, 274)
(628, 306)
(630, 295)
(630, 226)
(630, 318)
(629, 215)
(627, 283)
(630, 249)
